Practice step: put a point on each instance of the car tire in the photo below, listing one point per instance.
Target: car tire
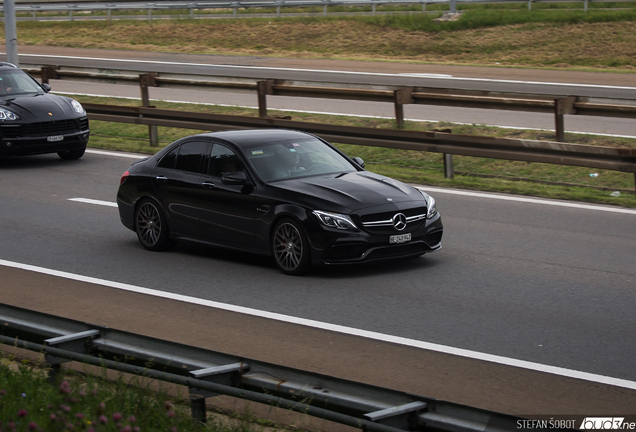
(72, 154)
(151, 226)
(290, 247)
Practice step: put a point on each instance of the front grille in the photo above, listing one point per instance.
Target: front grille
(382, 223)
(45, 129)
(59, 127)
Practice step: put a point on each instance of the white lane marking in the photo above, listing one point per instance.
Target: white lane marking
(93, 201)
(330, 71)
(569, 373)
(118, 154)
(528, 200)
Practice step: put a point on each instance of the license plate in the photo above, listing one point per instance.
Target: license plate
(55, 138)
(400, 238)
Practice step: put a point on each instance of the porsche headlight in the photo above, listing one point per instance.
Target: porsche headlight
(335, 220)
(77, 107)
(6, 114)
(431, 206)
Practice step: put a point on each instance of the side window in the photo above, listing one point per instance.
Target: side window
(191, 156)
(222, 161)
(169, 160)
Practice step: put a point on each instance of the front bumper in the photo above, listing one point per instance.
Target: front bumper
(331, 246)
(25, 146)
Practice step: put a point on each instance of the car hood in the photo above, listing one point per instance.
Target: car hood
(39, 105)
(350, 191)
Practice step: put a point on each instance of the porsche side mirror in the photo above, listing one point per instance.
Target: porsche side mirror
(359, 161)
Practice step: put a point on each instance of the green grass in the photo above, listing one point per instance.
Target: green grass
(96, 403)
(524, 178)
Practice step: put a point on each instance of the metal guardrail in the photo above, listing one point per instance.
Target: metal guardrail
(209, 373)
(621, 159)
(558, 105)
(437, 142)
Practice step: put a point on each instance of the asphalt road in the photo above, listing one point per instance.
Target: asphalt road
(596, 85)
(521, 280)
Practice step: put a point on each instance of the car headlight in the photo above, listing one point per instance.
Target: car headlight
(77, 107)
(5, 114)
(431, 205)
(335, 220)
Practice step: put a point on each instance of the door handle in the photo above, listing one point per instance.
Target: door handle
(207, 185)
(161, 179)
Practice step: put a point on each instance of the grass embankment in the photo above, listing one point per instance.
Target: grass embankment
(598, 39)
(94, 403)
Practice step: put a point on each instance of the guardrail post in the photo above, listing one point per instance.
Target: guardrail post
(562, 106)
(401, 97)
(449, 169)
(264, 88)
(229, 375)
(146, 80)
(77, 342)
(48, 73)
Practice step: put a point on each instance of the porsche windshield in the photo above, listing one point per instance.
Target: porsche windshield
(282, 160)
(15, 81)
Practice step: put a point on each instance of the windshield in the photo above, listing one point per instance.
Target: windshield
(13, 81)
(286, 159)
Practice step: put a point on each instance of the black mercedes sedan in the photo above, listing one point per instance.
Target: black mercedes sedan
(34, 121)
(281, 193)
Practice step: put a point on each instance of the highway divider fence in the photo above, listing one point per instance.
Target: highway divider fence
(554, 152)
(209, 373)
(38, 9)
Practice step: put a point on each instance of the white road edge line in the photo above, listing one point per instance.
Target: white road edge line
(527, 200)
(601, 379)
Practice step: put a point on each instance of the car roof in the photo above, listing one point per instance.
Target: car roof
(255, 136)
(8, 65)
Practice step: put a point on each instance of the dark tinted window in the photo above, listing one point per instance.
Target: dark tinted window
(169, 160)
(191, 156)
(223, 160)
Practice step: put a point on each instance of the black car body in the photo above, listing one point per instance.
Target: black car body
(282, 193)
(33, 121)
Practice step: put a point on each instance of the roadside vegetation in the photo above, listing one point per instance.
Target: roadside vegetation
(97, 403)
(494, 35)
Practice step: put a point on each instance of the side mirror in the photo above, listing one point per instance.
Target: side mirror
(46, 87)
(234, 178)
(359, 161)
